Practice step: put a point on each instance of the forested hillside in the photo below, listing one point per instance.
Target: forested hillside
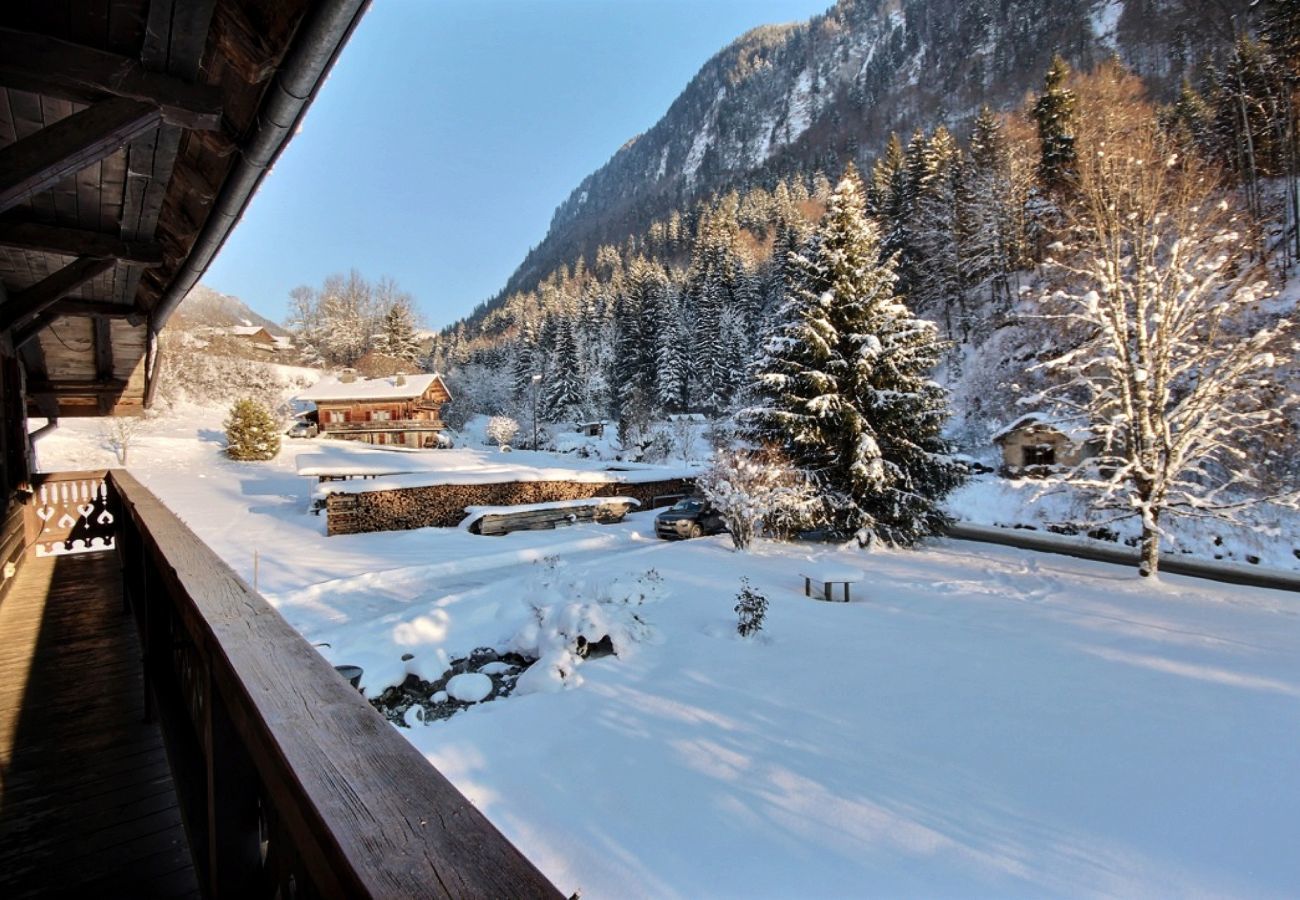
(673, 318)
(787, 101)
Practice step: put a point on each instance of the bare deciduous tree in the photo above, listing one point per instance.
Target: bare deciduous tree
(118, 432)
(1173, 358)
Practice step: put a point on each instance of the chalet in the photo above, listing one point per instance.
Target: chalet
(163, 730)
(254, 336)
(1034, 442)
(401, 410)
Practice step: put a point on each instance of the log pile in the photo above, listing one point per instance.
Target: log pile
(554, 517)
(443, 505)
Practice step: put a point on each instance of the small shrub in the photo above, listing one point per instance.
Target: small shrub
(501, 430)
(751, 607)
(251, 432)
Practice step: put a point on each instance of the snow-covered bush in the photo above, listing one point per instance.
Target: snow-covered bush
(501, 430)
(751, 608)
(756, 491)
(251, 432)
(571, 612)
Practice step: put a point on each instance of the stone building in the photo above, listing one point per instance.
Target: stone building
(1035, 443)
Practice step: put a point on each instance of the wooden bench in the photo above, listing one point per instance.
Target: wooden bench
(829, 575)
(494, 520)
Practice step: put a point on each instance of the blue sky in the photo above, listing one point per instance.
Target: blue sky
(448, 132)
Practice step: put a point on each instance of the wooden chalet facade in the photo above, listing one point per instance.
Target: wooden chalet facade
(400, 410)
(163, 730)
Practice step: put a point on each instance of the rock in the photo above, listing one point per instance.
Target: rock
(469, 687)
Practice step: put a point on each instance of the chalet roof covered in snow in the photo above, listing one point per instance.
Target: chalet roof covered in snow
(395, 387)
(1039, 420)
(248, 330)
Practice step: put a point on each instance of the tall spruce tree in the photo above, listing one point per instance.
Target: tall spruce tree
(397, 337)
(564, 396)
(1054, 113)
(846, 389)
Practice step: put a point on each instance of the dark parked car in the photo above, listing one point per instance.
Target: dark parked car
(690, 518)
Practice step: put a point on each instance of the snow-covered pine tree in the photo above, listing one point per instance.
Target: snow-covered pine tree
(1054, 113)
(397, 337)
(563, 396)
(669, 350)
(846, 387)
(939, 288)
(251, 432)
(986, 221)
(1172, 361)
(633, 362)
(525, 362)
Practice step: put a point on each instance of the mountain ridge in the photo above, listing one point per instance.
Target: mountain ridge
(798, 98)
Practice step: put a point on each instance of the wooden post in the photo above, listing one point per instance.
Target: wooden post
(234, 851)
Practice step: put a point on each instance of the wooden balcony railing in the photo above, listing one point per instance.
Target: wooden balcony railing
(290, 783)
(68, 512)
(386, 425)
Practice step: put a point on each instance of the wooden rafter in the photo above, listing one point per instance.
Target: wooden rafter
(78, 242)
(49, 66)
(69, 145)
(45, 293)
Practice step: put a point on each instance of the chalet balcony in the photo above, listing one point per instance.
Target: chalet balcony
(390, 425)
(164, 732)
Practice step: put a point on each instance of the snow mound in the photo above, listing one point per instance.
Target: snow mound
(572, 612)
(469, 687)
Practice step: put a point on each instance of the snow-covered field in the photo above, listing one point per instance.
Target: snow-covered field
(981, 721)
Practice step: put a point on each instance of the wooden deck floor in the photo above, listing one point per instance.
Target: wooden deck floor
(87, 805)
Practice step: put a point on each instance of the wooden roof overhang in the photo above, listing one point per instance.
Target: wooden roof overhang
(133, 134)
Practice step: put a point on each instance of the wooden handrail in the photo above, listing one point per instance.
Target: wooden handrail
(288, 778)
(39, 478)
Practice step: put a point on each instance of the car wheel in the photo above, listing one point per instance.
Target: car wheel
(695, 530)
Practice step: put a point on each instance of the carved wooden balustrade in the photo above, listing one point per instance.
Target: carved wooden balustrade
(289, 782)
(68, 512)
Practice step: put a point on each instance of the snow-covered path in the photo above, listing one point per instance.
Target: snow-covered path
(985, 721)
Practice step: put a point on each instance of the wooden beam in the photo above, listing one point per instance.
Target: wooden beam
(82, 387)
(69, 145)
(36, 299)
(71, 307)
(79, 242)
(22, 336)
(46, 65)
(103, 348)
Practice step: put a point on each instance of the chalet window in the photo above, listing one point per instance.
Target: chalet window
(337, 416)
(381, 415)
(1040, 455)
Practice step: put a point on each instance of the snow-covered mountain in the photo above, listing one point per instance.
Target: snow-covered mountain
(795, 98)
(205, 308)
